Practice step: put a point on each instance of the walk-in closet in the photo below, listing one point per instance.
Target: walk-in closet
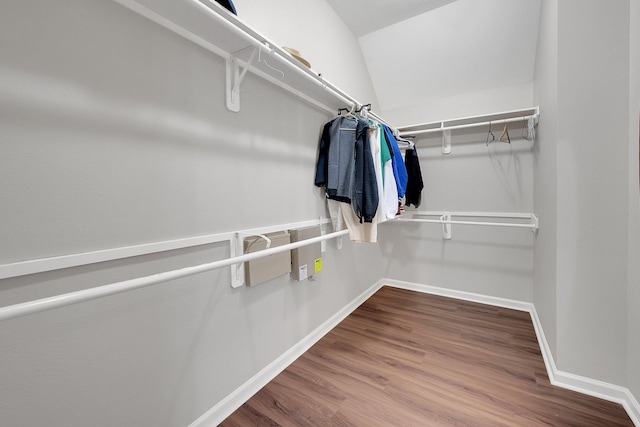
(319, 212)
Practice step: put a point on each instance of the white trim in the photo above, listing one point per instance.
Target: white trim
(547, 355)
(632, 407)
(233, 401)
(599, 389)
(462, 295)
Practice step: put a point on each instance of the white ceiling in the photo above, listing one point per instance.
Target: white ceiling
(365, 16)
(421, 49)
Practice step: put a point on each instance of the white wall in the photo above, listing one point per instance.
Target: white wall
(497, 262)
(474, 177)
(592, 182)
(634, 205)
(460, 59)
(113, 132)
(487, 101)
(462, 47)
(582, 173)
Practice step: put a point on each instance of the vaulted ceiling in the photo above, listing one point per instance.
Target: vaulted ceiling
(366, 16)
(420, 49)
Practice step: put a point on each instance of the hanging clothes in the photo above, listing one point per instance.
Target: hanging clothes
(413, 195)
(362, 232)
(365, 202)
(322, 165)
(399, 169)
(228, 4)
(368, 232)
(345, 166)
(376, 154)
(390, 189)
(340, 183)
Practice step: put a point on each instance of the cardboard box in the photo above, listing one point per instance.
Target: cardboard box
(307, 260)
(267, 268)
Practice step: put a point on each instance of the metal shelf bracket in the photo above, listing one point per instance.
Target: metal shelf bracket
(234, 78)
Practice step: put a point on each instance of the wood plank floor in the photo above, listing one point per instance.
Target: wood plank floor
(410, 359)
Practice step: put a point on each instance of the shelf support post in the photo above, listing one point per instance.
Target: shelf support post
(446, 141)
(237, 270)
(446, 226)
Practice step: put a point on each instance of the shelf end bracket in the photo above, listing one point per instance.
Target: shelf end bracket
(535, 224)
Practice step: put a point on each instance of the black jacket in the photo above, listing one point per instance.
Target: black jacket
(414, 184)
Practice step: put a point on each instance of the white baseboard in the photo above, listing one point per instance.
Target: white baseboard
(632, 407)
(588, 386)
(599, 389)
(462, 295)
(602, 390)
(229, 404)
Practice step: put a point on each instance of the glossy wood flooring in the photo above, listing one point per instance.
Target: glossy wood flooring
(410, 359)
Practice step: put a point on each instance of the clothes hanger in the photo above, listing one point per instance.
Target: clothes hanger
(410, 144)
(505, 134)
(490, 136)
(350, 112)
(363, 111)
